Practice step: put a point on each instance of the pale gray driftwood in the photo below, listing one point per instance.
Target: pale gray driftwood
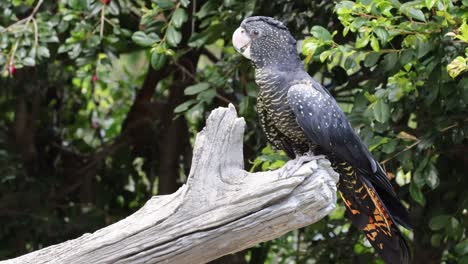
(221, 210)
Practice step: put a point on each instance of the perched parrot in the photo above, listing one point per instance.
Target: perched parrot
(299, 116)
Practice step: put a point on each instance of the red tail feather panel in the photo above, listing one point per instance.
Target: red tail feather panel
(368, 213)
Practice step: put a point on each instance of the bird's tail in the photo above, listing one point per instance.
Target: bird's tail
(368, 212)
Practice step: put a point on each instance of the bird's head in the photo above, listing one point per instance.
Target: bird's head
(265, 41)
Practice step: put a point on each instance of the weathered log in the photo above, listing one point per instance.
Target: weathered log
(221, 209)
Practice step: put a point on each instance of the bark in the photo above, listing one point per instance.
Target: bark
(221, 210)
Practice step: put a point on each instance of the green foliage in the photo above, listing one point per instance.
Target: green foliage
(97, 99)
(269, 160)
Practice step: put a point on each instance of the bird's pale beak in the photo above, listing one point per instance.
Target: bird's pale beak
(241, 42)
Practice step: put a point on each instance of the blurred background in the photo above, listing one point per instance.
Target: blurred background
(100, 102)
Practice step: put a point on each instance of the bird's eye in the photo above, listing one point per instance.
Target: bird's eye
(255, 32)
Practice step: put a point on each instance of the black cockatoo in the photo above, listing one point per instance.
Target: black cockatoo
(299, 116)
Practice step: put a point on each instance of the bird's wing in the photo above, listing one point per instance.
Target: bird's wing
(322, 120)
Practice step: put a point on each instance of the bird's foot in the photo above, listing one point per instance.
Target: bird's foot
(311, 156)
(293, 165)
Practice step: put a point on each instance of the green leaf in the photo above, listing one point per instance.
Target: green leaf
(199, 39)
(430, 3)
(69, 17)
(113, 8)
(410, 41)
(406, 56)
(362, 41)
(344, 7)
(43, 52)
(252, 90)
(350, 61)
(381, 33)
(439, 222)
(184, 106)
(206, 9)
(321, 33)
(389, 61)
(423, 47)
(144, 40)
(416, 14)
(390, 147)
(418, 177)
(29, 61)
(381, 111)
(436, 239)
(371, 59)
(454, 229)
(164, 4)
(195, 113)
(179, 17)
(375, 44)
(78, 4)
(464, 32)
(324, 55)
(209, 35)
(359, 22)
(207, 96)
(345, 31)
(417, 195)
(196, 88)
(457, 66)
(185, 3)
(158, 60)
(431, 179)
(173, 36)
(337, 213)
(462, 247)
(309, 46)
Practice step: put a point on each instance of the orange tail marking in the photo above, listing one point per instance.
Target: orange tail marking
(348, 204)
(379, 218)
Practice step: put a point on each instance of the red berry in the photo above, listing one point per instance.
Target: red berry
(105, 2)
(94, 78)
(12, 69)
